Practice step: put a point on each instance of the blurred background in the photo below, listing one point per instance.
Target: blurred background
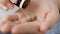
(55, 29)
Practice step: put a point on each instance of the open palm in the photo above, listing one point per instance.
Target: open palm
(46, 16)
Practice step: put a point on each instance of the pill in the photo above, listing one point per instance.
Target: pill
(31, 18)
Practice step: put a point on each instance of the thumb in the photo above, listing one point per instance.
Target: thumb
(3, 7)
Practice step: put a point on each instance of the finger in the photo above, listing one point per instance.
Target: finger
(11, 18)
(6, 28)
(9, 5)
(25, 28)
(14, 1)
(4, 2)
(1, 24)
(3, 7)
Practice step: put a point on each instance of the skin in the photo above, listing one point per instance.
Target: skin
(47, 14)
(7, 4)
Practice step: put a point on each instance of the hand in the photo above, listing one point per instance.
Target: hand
(47, 15)
(6, 4)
